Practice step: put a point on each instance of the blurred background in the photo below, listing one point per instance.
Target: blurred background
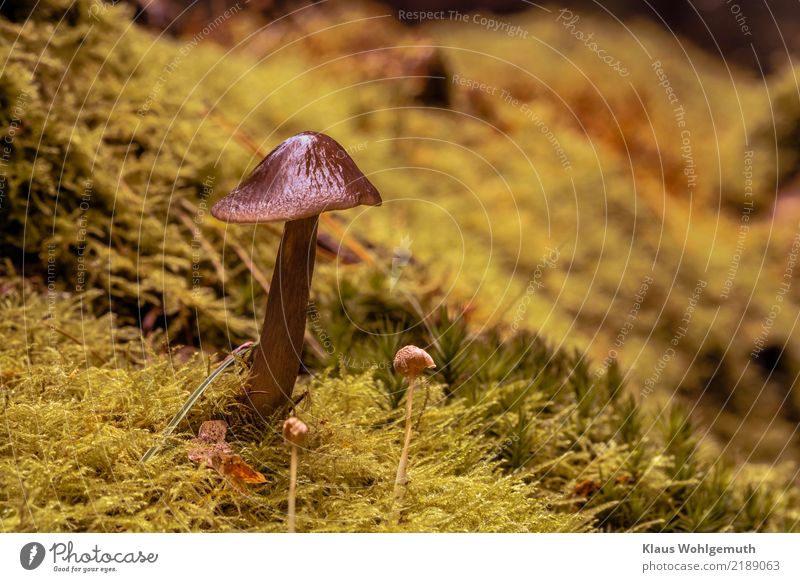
(761, 36)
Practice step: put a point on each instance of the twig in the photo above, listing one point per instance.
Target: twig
(355, 246)
(77, 341)
(210, 250)
(261, 279)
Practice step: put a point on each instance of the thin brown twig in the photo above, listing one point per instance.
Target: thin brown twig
(261, 279)
(211, 252)
(238, 133)
(77, 341)
(354, 245)
(258, 275)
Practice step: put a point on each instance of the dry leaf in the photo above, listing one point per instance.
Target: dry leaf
(234, 467)
(586, 488)
(210, 448)
(205, 453)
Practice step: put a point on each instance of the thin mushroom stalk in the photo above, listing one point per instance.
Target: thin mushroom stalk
(304, 176)
(294, 433)
(402, 477)
(290, 514)
(409, 362)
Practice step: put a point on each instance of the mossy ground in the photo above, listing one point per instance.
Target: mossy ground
(528, 442)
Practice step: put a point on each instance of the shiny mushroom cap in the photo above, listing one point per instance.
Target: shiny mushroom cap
(410, 361)
(294, 431)
(305, 175)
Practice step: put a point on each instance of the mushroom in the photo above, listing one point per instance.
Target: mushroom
(294, 433)
(409, 362)
(304, 176)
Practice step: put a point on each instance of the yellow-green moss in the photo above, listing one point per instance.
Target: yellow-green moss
(556, 452)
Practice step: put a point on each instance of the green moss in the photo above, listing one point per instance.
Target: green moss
(555, 451)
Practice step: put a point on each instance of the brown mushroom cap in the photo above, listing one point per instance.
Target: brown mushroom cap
(410, 361)
(294, 431)
(212, 431)
(305, 175)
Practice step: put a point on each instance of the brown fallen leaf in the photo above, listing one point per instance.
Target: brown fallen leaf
(235, 468)
(211, 449)
(586, 488)
(206, 453)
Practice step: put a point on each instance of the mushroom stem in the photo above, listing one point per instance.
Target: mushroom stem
(277, 356)
(400, 479)
(292, 488)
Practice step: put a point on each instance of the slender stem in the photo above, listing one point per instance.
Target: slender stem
(400, 480)
(292, 487)
(277, 357)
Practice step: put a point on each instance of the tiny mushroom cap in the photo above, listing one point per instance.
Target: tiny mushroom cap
(304, 176)
(410, 361)
(294, 431)
(212, 431)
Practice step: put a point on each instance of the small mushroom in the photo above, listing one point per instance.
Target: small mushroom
(409, 362)
(210, 442)
(294, 433)
(304, 176)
